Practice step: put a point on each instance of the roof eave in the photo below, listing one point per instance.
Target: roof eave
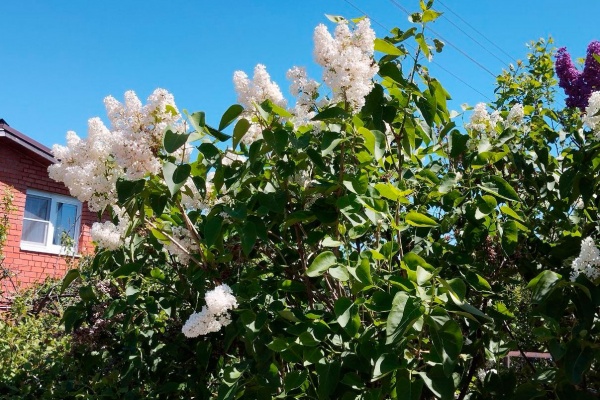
(26, 142)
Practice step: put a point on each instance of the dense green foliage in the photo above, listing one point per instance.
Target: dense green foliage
(405, 264)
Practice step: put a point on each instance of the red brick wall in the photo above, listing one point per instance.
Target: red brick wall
(24, 170)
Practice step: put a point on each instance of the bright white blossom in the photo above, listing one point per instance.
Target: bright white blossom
(305, 91)
(588, 261)
(482, 122)
(183, 244)
(109, 236)
(591, 118)
(86, 166)
(515, 116)
(192, 199)
(139, 130)
(214, 315)
(347, 58)
(90, 167)
(253, 92)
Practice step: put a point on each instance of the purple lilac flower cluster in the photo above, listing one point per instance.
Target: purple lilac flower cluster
(578, 85)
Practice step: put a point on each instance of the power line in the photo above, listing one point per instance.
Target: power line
(476, 30)
(412, 48)
(483, 67)
(475, 40)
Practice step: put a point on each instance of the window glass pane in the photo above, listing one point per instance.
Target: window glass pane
(34, 231)
(66, 218)
(37, 207)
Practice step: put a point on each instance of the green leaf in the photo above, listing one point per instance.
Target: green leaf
(478, 282)
(212, 229)
(386, 47)
(442, 386)
(175, 176)
(511, 213)
(273, 108)
(542, 285)
(240, 129)
(157, 273)
(405, 311)
(87, 293)
(294, 380)
(159, 235)
(385, 364)
(335, 18)
(577, 360)
(277, 140)
(430, 15)
(420, 220)
(127, 189)
(217, 134)
(210, 152)
(566, 182)
(230, 115)
(69, 277)
(447, 343)
(340, 273)
(126, 270)
(197, 120)
(328, 373)
(331, 113)
(422, 44)
(321, 263)
(346, 313)
(458, 143)
(374, 141)
(248, 236)
(173, 140)
(329, 142)
(427, 104)
(500, 188)
(423, 275)
(391, 192)
(510, 236)
(407, 389)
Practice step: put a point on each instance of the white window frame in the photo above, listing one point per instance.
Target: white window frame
(49, 247)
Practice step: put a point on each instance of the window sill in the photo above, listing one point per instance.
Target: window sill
(58, 251)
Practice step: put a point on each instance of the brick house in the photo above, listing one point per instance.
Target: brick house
(44, 214)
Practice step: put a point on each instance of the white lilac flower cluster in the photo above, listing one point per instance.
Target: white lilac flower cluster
(87, 167)
(515, 116)
(90, 167)
(139, 130)
(347, 58)
(349, 68)
(192, 199)
(485, 123)
(184, 246)
(214, 315)
(253, 92)
(109, 236)
(588, 261)
(305, 91)
(591, 118)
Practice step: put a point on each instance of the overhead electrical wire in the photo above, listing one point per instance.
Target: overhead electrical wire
(476, 30)
(480, 65)
(438, 65)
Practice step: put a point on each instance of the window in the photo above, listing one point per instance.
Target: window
(50, 220)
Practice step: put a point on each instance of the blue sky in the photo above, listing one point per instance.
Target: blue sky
(61, 58)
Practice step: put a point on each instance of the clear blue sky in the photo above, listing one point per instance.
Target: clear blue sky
(61, 58)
